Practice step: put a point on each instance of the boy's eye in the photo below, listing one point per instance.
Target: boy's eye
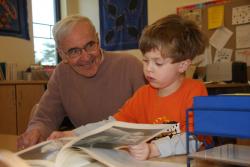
(159, 63)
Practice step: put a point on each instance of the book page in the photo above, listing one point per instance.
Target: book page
(9, 159)
(120, 158)
(73, 157)
(46, 150)
(117, 134)
(70, 152)
(104, 141)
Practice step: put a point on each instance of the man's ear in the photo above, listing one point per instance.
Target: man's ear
(60, 52)
(65, 61)
(97, 37)
(183, 66)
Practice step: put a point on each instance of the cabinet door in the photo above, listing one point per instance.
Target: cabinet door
(27, 97)
(7, 109)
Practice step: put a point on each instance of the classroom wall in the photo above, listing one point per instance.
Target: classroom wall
(17, 50)
(156, 10)
(20, 51)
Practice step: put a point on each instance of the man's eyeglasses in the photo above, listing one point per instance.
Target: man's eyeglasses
(89, 48)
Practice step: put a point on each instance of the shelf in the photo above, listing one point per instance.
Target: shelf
(229, 153)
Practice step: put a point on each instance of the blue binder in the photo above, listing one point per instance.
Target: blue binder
(227, 116)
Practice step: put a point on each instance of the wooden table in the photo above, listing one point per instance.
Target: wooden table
(227, 88)
(181, 160)
(8, 142)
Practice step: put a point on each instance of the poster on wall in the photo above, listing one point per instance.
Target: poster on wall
(121, 23)
(191, 12)
(14, 19)
(241, 15)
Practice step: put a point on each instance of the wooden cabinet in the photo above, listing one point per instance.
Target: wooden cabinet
(16, 101)
(7, 109)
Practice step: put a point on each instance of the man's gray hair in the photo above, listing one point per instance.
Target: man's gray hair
(62, 27)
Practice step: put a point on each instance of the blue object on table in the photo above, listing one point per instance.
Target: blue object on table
(225, 116)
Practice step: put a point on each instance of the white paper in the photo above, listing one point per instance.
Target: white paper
(223, 55)
(243, 36)
(241, 15)
(243, 55)
(203, 59)
(220, 37)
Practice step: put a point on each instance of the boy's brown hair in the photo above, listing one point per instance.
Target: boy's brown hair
(175, 37)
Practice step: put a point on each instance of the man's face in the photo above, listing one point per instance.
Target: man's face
(80, 48)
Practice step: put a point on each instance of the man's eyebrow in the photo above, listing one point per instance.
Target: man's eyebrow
(92, 41)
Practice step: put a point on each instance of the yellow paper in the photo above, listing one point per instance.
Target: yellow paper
(215, 16)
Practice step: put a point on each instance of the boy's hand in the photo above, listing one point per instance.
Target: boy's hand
(60, 134)
(144, 151)
(140, 151)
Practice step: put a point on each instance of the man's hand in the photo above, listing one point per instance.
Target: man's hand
(29, 138)
(143, 151)
(60, 134)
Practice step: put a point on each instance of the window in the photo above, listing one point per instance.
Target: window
(44, 15)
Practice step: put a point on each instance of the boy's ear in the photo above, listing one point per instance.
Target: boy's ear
(183, 66)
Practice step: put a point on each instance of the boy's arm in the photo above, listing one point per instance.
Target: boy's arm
(174, 146)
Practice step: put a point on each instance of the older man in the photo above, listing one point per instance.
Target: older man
(87, 86)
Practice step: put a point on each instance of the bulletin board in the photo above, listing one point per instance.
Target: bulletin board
(235, 18)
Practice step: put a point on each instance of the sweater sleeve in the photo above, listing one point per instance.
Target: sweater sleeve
(50, 112)
(136, 69)
(174, 146)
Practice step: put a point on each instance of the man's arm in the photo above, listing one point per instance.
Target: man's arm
(135, 69)
(47, 118)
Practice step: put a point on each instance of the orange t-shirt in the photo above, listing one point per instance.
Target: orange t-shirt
(147, 107)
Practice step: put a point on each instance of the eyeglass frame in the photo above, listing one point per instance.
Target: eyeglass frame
(76, 52)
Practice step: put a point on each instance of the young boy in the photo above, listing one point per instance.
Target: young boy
(168, 46)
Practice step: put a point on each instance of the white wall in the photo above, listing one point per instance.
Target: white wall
(156, 10)
(17, 50)
(21, 51)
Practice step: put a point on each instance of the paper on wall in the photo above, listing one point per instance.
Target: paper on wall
(215, 16)
(223, 55)
(220, 37)
(243, 55)
(243, 36)
(241, 14)
(194, 15)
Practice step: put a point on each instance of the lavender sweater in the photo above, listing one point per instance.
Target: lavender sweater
(85, 100)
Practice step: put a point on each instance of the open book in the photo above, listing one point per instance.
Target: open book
(104, 146)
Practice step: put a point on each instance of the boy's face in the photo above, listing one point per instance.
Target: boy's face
(160, 72)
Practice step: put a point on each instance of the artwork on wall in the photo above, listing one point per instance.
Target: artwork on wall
(14, 18)
(121, 23)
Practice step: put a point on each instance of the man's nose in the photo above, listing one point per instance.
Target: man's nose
(84, 55)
